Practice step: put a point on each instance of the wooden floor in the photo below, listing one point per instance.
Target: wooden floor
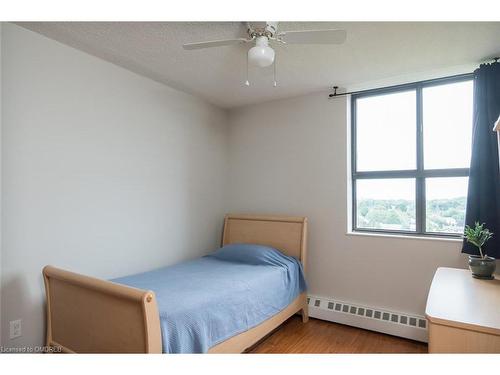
(318, 336)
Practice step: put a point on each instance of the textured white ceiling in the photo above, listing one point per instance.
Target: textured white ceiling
(373, 51)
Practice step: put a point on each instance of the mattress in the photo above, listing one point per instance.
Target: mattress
(210, 299)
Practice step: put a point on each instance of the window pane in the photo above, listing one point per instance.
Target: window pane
(386, 204)
(447, 119)
(445, 206)
(385, 127)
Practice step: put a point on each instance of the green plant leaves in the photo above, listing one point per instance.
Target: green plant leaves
(477, 236)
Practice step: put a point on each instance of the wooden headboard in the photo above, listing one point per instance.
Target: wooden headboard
(287, 234)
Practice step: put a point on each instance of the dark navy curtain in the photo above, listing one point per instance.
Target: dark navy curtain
(483, 200)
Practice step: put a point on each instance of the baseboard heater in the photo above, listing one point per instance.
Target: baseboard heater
(375, 319)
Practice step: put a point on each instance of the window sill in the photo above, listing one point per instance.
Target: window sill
(404, 236)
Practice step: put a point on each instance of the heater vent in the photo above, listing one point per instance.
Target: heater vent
(387, 317)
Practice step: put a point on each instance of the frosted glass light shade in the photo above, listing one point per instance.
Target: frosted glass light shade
(261, 55)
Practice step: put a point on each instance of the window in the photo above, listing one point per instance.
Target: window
(411, 148)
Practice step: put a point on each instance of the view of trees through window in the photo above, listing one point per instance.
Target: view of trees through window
(395, 214)
(411, 157)
(443, 215)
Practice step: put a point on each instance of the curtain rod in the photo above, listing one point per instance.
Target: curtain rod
(457, 76)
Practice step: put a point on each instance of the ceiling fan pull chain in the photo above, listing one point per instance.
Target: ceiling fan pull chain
(247, 82)
(275, 83)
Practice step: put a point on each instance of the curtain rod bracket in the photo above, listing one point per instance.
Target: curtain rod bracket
(334, 92)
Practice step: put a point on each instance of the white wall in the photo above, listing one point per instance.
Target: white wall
(104, 172)
(291, 157)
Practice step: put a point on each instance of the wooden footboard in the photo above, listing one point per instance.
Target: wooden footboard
(89, 315)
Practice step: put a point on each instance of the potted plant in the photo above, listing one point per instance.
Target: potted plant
(482, 266)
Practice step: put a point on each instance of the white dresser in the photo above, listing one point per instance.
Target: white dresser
(463, 313)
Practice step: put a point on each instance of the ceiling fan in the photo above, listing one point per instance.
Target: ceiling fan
(262, 54)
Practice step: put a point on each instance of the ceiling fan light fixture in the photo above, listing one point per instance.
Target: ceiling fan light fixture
(261, 54)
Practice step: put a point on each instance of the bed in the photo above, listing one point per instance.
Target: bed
(90, 315)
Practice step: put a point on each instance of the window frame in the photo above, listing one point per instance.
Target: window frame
(419, 174)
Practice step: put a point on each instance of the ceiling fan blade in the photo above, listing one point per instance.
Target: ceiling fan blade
(215, 43)
(331, 36)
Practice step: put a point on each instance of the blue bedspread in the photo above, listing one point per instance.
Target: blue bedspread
(208, 300)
